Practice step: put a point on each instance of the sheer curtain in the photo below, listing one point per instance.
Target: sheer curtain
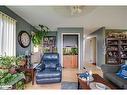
(7, 35)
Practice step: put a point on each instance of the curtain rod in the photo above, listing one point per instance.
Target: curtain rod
(8, 16)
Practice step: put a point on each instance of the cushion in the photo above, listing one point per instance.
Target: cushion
(40, 67)
(50, 65)
(122, 72)
(48, 73)
(50, 57)
(107, 68)
(120, 82)
(124, 66)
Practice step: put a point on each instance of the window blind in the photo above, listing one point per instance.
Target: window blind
(7, 35)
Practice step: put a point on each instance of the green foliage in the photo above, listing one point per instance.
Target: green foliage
(38, 36)
(71, 51)
(47, 50)
(3, 72)
(6, 79)
(9, 61)
(20, 85)
(9, 78)
(55, 50)
(74, 51)
(6, 63)
(64, 51)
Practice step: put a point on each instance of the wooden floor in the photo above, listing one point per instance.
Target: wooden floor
(67, 75)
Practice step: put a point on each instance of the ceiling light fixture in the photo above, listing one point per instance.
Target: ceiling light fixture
(76, 10)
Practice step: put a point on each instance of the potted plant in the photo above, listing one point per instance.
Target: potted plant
(37, 37)
(8, 72)
(74, 51)
(10, 63)
(3, 72)
(12, 80)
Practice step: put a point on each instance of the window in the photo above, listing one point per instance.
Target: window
(7, 35)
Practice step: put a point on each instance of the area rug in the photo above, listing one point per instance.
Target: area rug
(69, 85)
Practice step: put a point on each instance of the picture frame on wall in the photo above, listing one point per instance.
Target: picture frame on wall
(50, 44)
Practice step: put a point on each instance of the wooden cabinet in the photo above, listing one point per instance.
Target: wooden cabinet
(70, 61)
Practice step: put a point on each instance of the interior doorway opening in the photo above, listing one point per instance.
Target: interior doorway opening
(70, 50)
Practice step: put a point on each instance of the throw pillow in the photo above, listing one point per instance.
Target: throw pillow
(50, 65)
(122, 72)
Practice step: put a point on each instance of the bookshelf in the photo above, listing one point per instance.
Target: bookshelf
(116, 47)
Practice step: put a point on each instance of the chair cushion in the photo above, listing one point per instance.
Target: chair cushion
(40, 67)
(48, 80)
(48, 73)
(122, 72)
(50, 64)
(50, 56)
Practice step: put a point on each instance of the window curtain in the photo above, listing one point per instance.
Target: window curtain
(7, 35)
(1, 24)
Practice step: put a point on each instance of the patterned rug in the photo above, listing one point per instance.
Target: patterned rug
(69, 85)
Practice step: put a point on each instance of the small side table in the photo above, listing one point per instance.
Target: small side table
(31, 71)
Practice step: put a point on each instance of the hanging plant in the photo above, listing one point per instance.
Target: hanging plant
(37, 37)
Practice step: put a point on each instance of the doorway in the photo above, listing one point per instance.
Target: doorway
(70, 50)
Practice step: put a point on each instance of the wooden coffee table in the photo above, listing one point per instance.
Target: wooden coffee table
(84, 85)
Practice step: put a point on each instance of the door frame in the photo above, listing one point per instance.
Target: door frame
(78, 34)
(96, 48)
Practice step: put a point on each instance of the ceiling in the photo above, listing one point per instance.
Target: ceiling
(91, 17)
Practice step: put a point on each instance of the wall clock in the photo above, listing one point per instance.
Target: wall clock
(24, 39)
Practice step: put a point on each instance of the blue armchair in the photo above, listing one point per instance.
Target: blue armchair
(49, 70)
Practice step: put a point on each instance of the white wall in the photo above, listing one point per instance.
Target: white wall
(100, 56)
(90, 50)
(87, 51)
